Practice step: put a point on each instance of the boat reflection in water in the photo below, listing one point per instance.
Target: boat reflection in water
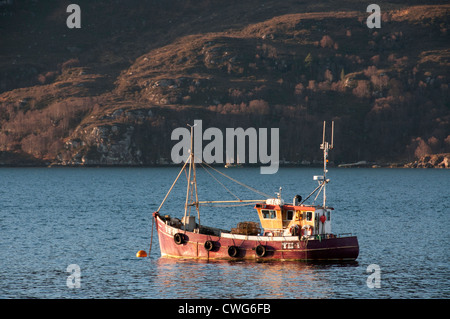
(275, 280)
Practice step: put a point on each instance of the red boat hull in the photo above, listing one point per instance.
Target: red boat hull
(178, 243)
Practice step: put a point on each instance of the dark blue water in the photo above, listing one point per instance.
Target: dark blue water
(98, 219)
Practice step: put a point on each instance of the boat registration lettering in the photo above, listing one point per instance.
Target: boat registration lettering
(170, 230)
(290, 245)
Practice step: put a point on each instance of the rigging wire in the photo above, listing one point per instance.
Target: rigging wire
(320, 185)
(223, 174)
(219, 182)
(234, 205)
(236, 181)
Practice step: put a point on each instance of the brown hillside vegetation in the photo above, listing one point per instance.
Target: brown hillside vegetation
(112, 92)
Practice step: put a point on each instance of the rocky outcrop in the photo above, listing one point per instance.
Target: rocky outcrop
(431, 161)
(102, 145)
(113, 139)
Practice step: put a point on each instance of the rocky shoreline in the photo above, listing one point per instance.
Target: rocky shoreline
(431, 161)
(8, 159)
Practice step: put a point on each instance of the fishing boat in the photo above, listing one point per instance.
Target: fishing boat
(287, 231)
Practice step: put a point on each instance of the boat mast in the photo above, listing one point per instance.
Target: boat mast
(191, 181)
(325, 146)
(322, 180)
(195, 183)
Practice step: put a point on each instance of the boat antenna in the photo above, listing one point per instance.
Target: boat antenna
(279, 193)
(325, 146)
(322, 180)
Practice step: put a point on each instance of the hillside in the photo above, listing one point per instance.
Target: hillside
(111, 92)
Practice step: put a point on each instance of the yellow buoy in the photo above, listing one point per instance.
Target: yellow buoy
(141, 253)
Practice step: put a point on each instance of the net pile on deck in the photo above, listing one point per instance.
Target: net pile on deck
(247, 228)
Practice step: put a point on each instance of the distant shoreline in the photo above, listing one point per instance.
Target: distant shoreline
(344, 166)
(441, 160)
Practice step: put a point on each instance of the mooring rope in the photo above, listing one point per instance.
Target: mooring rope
(151, 237)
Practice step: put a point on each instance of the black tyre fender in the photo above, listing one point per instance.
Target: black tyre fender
(209, 245)
(260, 250)
(178, 238)
(233, 251)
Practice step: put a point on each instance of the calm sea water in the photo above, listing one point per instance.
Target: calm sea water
(98, 218)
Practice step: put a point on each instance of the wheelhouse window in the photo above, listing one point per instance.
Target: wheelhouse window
(289, 215)
(269, 214)
(309, 216)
